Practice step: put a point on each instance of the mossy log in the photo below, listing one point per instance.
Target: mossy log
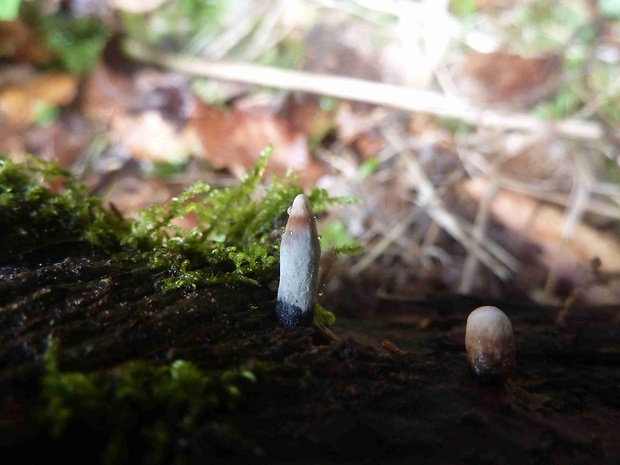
(309, 398)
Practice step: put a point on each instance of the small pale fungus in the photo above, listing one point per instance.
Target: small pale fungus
(490, 344)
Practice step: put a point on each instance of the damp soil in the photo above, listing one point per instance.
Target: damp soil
(389, 387)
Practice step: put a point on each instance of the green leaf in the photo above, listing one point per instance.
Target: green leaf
(78, 43)
(335, 234)
(9, 9)
(367, 168)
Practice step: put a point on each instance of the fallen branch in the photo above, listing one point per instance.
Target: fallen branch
(422, 101)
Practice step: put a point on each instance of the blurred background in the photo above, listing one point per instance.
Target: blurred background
(480, 138)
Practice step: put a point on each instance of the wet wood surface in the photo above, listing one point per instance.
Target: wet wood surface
(390, 386)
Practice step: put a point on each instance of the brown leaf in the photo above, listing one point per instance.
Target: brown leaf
(234, 139)
(64, 141)
(130, 194)
(11, 141)
(107, 92)
(337, 45)
(146, 110)
(19, 103)
(23, 44)
(304, 115)
(542, 224)
(502, 76)
(359, 129)
(147, 136)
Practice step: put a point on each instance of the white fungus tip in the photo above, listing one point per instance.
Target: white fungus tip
(301, 216)
(301, 206)
(490, 344)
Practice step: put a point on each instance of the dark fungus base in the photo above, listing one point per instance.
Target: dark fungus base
(291, 316)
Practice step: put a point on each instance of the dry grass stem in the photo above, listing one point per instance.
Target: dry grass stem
(470, 267)
(494, 257)
(423, 101)
(435, 208)
(386, 241)
(598, 207)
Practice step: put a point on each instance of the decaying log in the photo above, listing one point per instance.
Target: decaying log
(321, 400)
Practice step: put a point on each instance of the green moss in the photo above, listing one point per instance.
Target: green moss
(235, 241)
(165, 407)
(324, 316)
(32, 214)
(77, 42)
(177, 22)
(236, 238)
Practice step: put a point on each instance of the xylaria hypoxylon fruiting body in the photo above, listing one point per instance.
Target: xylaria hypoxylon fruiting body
(490, 344)
(300, 252)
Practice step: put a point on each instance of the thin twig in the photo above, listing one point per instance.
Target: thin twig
(594, 206)
(470, 267)
(422, 101)
(385, 242)
(488, 252)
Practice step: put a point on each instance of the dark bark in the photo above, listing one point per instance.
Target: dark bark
(321, 400)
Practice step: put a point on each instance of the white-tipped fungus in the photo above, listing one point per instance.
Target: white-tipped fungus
(300, 252)
(490, 344)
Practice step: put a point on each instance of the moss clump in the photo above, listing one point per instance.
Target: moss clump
(236, 239)
(76, 42)
(32, 215)
(147, 413)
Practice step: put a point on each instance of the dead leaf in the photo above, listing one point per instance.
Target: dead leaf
(107, 92)
(234, 139)
(11, 141)
(22, 43)
(304, 114)
(64, 141)
(501, 76)
(542, 224)
(149, 137)
(336, 45)
(530, 158)
(130, 194)
(146, 110)
(20, 102)
(359, 129)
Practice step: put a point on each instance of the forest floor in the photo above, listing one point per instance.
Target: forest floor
(478, 142)
(479, 139)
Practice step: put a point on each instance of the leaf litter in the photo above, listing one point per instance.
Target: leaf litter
(505, 207)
